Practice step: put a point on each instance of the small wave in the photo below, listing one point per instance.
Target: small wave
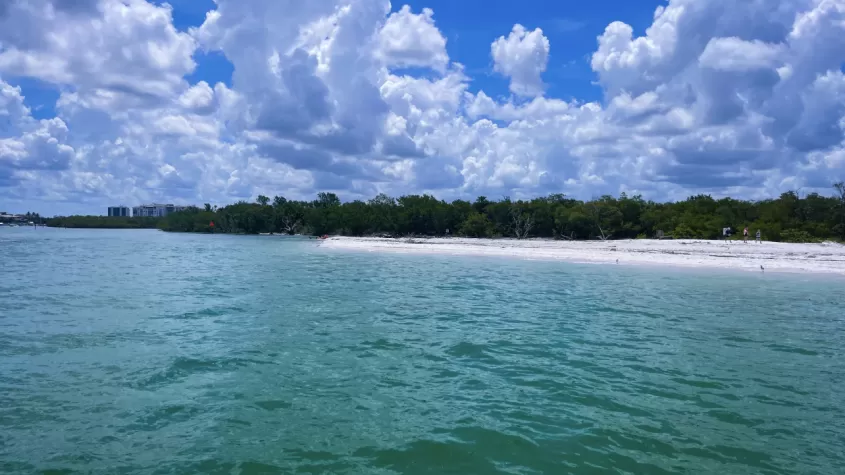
(204, 466)
(382, 344)
(751, 458)
(273, 404)
(454, 456)
(259, 468)
(665, 393)
(734, 418)
(609, 405)
(700, 383)
(34, 345)
(775, 402)
(792, 349)
(737, 339)
(201, 314)
(469, 350)
(183, 367)
(162, 416)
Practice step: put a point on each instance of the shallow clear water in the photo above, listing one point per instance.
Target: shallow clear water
(145, 352)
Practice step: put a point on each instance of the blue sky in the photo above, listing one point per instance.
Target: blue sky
(469, 27)
(571, 27)
(125, 101)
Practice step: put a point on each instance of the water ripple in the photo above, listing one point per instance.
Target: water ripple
(152, 353)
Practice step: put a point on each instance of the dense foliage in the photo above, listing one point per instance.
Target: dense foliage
(790, 217)
(102, 222)
(22, 218)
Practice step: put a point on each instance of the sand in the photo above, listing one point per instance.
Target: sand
(826, 258)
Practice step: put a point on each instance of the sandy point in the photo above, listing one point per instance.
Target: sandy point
(827, 258)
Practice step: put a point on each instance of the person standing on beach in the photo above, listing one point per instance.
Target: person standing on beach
(758, 237)
(745, 235)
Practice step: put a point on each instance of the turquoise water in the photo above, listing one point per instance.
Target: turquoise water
(152, 353)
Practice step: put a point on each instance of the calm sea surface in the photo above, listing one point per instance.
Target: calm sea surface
(153, 353)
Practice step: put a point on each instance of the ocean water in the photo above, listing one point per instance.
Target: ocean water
(150, 353)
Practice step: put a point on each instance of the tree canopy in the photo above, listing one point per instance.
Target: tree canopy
(789, 217)
(102, 222)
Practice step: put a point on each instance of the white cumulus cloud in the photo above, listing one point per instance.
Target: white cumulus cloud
(412, 40)
(720, 97)
(523, 57)
(27, 144)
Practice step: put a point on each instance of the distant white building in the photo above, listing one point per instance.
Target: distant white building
(10, 218)
(155, 210)
(122, 211)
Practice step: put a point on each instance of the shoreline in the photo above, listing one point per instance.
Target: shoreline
(824, 258)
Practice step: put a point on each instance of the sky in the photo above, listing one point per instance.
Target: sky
(110, 102)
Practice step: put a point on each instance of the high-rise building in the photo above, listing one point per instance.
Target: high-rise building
(119, 211)
(156, 210)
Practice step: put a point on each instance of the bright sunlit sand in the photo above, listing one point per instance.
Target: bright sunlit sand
(766, 256)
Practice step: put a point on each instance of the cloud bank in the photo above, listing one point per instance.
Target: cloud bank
(743, 99)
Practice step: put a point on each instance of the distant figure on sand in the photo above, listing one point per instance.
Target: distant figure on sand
(725, 232)
(745, 234)
(758, 237)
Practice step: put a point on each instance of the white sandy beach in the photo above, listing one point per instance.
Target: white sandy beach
(828, 258)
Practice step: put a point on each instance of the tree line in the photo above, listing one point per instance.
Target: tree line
(790, 217)
(102, 222)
